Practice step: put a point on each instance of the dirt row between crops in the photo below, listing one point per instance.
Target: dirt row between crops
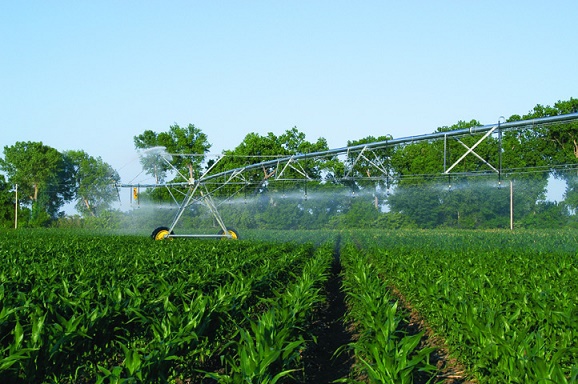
(323, 363)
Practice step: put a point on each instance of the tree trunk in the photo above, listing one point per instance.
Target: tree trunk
(88, 206)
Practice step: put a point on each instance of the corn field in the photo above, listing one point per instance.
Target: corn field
(79, 307)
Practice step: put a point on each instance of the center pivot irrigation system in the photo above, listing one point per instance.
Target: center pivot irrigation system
(202, 189)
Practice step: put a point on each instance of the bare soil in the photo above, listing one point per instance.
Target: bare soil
(322, 363)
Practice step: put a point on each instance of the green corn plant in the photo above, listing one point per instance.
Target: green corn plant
(17, 359)
(386, 353)
(396, 364)
(263, 353)
(489, 295)
(268, 350)
(113, 376)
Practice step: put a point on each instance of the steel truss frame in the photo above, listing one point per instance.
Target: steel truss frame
(198, 189)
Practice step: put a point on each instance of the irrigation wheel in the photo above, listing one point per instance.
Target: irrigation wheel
(160, 233)
(232, 232)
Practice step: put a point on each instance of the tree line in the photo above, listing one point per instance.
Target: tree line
(412, 192)
(46, 179)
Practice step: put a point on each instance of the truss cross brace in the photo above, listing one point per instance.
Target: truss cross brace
(478, 156)
(208, 201)
(184, 204)
(355, 161)
(378, 164)
(471, 150)
(289, 164)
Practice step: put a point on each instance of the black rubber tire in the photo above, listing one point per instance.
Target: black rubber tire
(160, 233)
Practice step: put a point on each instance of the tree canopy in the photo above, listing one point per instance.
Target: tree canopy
(94, 182)
(42, 176)
(186, 147)
(47, 179)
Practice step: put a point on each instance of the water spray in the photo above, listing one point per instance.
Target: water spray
(157, 151)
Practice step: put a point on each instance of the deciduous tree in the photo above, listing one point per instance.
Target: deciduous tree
(6, 203)
(187, 147)
(42, 176)
(93, 182)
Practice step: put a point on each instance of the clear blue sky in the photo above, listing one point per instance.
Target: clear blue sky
(93, 74)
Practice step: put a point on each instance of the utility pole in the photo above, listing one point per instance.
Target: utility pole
(16, 209)
(511, 205)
